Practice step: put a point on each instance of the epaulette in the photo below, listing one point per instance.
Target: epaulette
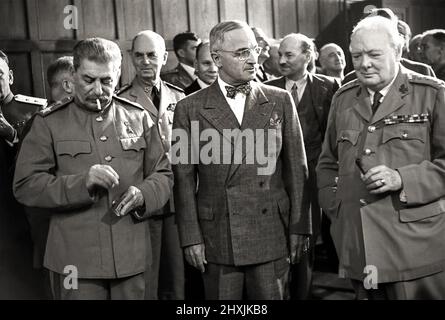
(421, 79)
(168, 84)
(123, 89)
(30, 100)
(349, 85)
(134, 104)
(55, 106)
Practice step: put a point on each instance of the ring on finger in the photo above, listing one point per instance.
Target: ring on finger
(382, 182)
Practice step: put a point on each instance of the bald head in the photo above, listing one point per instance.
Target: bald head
(332, 60)
(148, 56)
(296, 52)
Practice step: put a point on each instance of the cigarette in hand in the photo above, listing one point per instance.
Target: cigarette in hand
(98, 104)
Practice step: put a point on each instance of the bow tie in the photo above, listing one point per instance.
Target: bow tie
(232, 91)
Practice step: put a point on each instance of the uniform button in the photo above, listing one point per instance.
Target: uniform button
(371, 129)
(160, 121)
(108, 158)
(103, 138)
(367, 152)
(99, 119)
(261, 184)
(264, 211)
(404, 135)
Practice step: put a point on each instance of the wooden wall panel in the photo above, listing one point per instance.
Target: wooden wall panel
(13, 19)
(47, 59)
(233, 10)
(203, 16)
(285, 17)
(53, 29)
(99, 19)
(308, 20)
(172, 17)
(328, 11)
(260, 14)
(138, 16)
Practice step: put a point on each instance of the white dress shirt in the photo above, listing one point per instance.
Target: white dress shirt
(237, 104)
(301, 85)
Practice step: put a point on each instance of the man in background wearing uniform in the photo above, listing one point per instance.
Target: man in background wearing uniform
(97, 163)
(18, 280)
(183, 75)
(159, 99)
(381, 173)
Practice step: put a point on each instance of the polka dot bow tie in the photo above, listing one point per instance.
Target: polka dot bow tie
(232, 91)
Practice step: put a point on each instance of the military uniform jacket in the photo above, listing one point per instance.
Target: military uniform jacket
(169, 96)
(178, 77)
(243, 217)
(402, 240)
(53, 162)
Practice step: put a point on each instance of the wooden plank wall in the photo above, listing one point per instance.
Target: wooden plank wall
(33, 34)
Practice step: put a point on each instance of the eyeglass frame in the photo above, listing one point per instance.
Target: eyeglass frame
(238, 54)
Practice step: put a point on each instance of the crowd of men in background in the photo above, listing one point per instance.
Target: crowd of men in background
(87, 179)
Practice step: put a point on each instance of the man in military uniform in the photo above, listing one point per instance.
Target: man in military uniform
(159, 99)
(381, 174)
(97, 163)
(60, 78)
(17, 278)
(183, 75)
(433, 46)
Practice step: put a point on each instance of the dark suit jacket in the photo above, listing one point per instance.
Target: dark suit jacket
(415, 66)
(242, 215)
(192, 88)
(178, 77)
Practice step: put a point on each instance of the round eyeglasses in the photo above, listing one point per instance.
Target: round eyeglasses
(243, 55)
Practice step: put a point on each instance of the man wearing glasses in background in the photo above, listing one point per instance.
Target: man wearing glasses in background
(239, 224)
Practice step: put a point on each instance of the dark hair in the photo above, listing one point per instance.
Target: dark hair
(62, 64)
(4, 57)
(180, 40)
(98, 50)
(382, 12)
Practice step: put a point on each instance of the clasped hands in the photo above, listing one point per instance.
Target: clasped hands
(104, 176)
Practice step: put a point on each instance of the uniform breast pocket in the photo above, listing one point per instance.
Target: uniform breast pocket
(133, 149)
(72, 153)
(347, 149)
(404, 144)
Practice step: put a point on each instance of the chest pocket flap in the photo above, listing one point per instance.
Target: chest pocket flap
(349, 135)
(404, 132)
(73, 147)
(135, 143)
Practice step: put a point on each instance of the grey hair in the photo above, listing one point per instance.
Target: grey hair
(217, 33)
(151, 34)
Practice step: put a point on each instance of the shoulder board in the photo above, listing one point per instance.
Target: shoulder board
(30, 100)
(421, 79)
(123, 100)
(168, 84)
(349, 85)
(122, 89)
(55, 106)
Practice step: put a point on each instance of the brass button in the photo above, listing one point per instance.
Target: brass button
(404, 135)
(103, 138)
(371, 129)
(108, 158)
(367, 152)
(99, 119)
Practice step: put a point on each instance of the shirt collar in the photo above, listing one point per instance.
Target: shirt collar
(223, 84)
(290, 83)
(189, 70)
(385, 90)
(148, 88)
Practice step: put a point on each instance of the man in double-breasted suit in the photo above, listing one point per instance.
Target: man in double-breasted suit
(381, 172)
(159, 98)
(312, 94)
(243, 219)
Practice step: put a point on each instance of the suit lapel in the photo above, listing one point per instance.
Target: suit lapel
(394, 98)
(318, 91)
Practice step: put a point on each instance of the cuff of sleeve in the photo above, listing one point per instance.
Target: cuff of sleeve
(77, 191)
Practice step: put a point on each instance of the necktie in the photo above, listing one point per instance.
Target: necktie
(232, 91)
(294, 93)
(376, 101)
(155, 97)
